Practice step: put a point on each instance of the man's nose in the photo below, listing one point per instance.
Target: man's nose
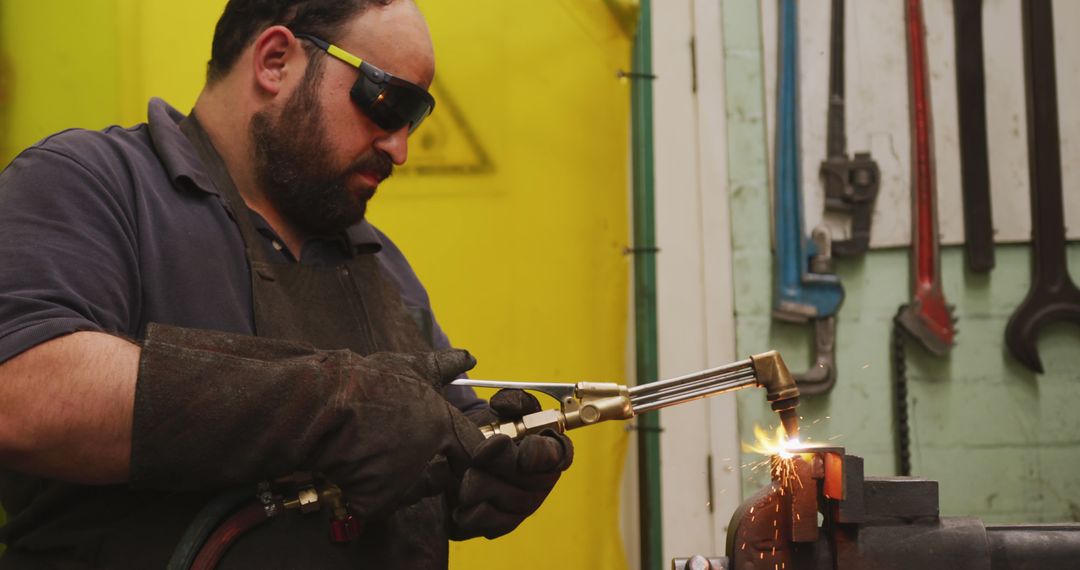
(395, 145)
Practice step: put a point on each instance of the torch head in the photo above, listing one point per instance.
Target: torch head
(781, 391)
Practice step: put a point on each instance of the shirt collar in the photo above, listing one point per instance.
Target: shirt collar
(182, 161)
(179, 157)
(364, 238)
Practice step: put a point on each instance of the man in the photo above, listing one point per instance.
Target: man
(196, 304)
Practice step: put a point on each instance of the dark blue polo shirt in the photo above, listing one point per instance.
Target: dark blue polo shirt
(111, 230)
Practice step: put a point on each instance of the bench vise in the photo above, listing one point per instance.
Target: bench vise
(831, 517)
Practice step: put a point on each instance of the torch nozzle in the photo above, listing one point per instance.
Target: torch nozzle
(790, 419)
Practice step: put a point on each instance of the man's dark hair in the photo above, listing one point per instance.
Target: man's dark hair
(243, 20)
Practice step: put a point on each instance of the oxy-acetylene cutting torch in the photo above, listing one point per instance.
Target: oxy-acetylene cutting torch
(582, 404)
(587, 403)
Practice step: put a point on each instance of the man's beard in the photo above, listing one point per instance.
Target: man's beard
(293, 167)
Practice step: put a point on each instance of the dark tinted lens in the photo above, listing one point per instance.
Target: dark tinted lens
(392, 104)
(410, 106)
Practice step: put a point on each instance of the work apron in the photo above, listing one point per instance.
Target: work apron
(349, 306)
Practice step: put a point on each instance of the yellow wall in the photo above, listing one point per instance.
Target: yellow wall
(518, 234)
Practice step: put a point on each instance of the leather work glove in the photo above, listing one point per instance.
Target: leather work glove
(508, 480)
(215, 409)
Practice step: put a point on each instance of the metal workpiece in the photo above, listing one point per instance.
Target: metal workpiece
(587, 403)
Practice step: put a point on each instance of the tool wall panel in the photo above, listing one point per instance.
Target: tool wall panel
(878, 110)
(998, 437)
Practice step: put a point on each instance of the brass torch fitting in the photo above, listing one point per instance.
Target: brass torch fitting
(781, 391)
(597, 402)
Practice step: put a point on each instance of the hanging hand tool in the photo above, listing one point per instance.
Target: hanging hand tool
(971, 112)
(851, 184)
(588, 403)
(802, 292)
(927, 317)
(1053, 296)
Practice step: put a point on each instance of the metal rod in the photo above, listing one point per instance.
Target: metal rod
(558, 391)
(691, 396)
(539, 386)
(704, 383)
(694, 379)
(710, 373)
(673, 393)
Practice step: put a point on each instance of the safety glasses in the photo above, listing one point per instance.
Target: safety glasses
(390, 102)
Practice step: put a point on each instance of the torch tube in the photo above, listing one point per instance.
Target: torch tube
(704, 374)
(671, 396)
(648, 391)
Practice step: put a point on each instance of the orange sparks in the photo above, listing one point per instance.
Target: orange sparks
(776, 443)
(776, 446)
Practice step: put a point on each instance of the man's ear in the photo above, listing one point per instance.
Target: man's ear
(276, 54)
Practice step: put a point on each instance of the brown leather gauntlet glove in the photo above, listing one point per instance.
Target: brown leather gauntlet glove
(508, 480)
(216, 409)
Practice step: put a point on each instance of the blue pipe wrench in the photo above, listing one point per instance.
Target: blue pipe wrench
(806, 288)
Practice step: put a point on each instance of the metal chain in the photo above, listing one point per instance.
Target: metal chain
(900, 394)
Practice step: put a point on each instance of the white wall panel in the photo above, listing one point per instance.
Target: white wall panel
(694, 289)
(878, 119)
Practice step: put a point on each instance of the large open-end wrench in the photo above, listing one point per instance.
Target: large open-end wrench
(927, 317)
(802, 294)
(974, 154)
(851, 184)
(1053, 296)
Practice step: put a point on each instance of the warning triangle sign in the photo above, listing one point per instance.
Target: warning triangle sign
(446, 144)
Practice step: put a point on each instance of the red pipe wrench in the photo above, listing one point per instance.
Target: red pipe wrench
(927, 317)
